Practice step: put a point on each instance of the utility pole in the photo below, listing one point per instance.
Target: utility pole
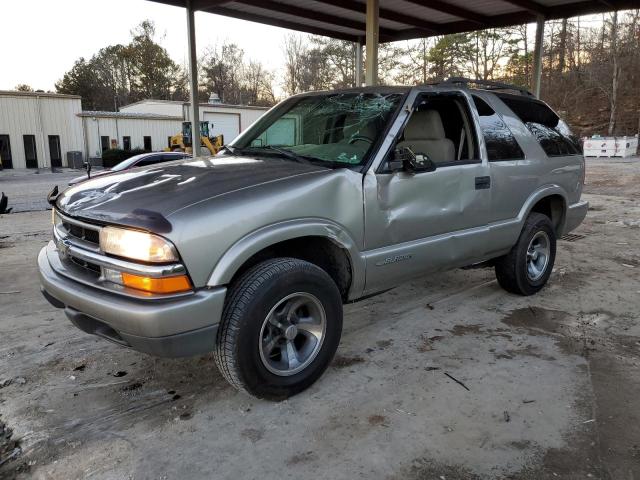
(193, 81)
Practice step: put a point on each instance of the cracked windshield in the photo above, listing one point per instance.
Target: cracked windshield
(338, 129)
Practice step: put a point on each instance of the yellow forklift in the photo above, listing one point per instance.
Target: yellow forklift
(182, 141)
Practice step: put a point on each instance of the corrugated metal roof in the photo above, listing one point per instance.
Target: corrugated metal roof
(14, 93)
(400, 19)
(178, 102)
(146, 116)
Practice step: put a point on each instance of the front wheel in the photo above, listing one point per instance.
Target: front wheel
(527, 267)
(280, 328)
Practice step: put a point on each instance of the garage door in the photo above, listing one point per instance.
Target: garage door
(227, 124)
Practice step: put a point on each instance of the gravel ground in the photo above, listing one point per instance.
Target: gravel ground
(27, 190)
(550, 382)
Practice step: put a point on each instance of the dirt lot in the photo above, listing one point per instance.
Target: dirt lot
(27, 189)
(549, 384)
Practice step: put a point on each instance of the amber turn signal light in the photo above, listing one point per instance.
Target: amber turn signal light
(175, 284)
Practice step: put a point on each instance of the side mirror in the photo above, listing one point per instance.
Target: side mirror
(87, 166)
(404, 159)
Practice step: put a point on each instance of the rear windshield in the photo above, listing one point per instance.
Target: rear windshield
(552, 133)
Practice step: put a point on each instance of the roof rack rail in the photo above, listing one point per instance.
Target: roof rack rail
(486, 85)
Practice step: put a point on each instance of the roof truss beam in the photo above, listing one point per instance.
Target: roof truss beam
(529, 5)
(412, 26)
(518, 18)
(430, 27)
(291, 25)
(313, 15)
(451, 9)
(208, 4)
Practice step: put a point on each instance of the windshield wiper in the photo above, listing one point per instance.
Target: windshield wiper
(285, 153)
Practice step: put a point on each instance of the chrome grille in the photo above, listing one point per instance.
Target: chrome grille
(81, 232)
(79, 257)
(76, 232)
(91, 267)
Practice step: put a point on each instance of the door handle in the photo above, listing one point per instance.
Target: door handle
(483, 183)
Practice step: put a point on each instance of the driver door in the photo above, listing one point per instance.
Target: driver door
(421, 222)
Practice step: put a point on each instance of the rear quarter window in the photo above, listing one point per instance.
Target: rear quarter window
(552, 133)
(498, 139)
(552, 142)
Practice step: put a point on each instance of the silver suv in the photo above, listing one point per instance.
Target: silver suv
(328, 198)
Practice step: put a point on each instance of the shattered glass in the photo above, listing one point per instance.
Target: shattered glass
(337, 128)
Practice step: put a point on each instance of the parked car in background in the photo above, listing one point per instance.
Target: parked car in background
(142, 160)
(328, 198)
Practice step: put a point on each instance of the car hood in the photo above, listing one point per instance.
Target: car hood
(146, 197)
(84, 178)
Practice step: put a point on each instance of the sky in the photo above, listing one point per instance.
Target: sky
(41, 39)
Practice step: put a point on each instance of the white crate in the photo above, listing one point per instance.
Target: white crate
(610, 147)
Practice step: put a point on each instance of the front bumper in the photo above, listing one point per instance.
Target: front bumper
(177, 326)
(576, 213)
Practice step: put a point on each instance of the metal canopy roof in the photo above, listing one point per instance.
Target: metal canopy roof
(400, 19)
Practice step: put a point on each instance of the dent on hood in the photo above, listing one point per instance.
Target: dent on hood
(92, 195)
(146, 198)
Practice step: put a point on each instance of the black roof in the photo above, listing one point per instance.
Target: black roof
(400, 19)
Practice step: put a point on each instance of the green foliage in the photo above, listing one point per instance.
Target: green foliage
(448, 56)
(113, 156)
(122, 74)
(23, 87)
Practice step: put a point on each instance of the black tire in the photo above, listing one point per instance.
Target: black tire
(249, 301)
(511, 270)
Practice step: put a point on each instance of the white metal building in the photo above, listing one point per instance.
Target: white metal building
(126, 130)
(38, 129)
(227, 120)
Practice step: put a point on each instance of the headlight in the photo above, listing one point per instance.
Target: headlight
(55, 218)
(136, 245)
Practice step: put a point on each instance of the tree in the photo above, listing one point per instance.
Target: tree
(488, 51)
(226, 73)
(295, 57)
(23, 87)
(418, 54)
(257, 85)
(446, 58)
(121, 74)
(221, 72)
(335, 62)
(153, 73)
(82, 80)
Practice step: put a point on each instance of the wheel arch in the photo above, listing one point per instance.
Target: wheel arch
(319, 241)
(551, 201)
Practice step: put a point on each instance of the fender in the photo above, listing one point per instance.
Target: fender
(504, 234)
(264, 237)
(539, 194)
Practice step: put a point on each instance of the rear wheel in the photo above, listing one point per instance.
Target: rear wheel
(527, 267)
(280, 328)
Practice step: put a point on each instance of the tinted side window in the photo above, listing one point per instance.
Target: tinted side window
(551, 141)
(554, 136)
(173, 156)
(500, 142)
(152, 160)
